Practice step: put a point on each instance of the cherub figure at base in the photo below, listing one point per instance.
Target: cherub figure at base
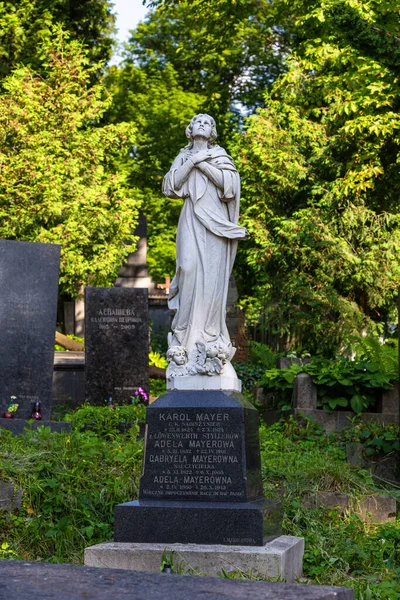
(177, 358)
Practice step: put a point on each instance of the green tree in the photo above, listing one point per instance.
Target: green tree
(226, 51)
(321, 181)
(26, 24)
(188, 57)
(153, 100)
(61, 179)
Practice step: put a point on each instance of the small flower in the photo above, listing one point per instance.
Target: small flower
(140, 394)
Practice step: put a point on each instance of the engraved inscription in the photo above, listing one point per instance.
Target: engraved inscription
(194, 454)
(123, 318)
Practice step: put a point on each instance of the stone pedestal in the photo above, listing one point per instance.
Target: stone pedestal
(281, 559)
(169, 522)
(201, 480)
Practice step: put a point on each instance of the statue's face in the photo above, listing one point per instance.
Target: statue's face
(202, 127)
(179, 357)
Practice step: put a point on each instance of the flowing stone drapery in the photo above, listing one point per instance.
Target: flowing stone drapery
(206, 246)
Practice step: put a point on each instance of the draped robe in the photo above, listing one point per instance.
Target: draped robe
(206, 246)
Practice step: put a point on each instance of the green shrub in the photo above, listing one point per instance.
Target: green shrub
(249, 374)
(342, 383)
(157, 388)
(385, 356)
(105, 420)
(72, 483)
(377, 438)
(263, 355)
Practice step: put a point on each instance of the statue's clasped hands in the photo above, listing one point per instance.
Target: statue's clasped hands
(200, 156)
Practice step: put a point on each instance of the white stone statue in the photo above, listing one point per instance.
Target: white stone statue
(205, 177)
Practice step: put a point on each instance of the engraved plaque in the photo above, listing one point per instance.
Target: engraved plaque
(116, 343)
(201, 481)
(199, 452)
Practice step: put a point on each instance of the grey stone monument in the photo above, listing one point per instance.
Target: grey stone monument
(201, 481)
(202, 458)
(116, 343)
(28, 313)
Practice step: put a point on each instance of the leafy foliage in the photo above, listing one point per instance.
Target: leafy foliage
(376, 438)
(185, 58)
(226, 52)
(25, 25)
(342, 383)
(72, 481)
(263, 355)
(384, 356)
(249, 374)
(300, 459)
(105, 420)
(321, 179)
(157, 360)
(157, 388)
(61, 179)
(160, 110)
(347, 383)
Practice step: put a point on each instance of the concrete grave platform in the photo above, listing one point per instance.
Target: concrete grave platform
(282, 558)
(36, 581)
(370, 509)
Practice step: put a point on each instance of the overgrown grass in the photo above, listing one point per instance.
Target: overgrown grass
(340, 549)
(73, 481)
(71, 484)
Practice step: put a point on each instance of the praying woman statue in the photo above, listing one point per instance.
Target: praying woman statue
(205, 177)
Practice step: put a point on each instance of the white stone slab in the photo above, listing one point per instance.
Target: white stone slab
(202, 382)
(281, 559)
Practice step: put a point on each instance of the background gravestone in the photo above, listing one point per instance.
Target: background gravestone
(116, 343)
(28, 313)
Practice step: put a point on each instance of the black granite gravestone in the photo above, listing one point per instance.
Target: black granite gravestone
(201, 480)
(116, 343)
(28, 313)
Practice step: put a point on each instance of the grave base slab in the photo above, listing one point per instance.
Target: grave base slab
(282, 558)
(35, 581)
(169, 522)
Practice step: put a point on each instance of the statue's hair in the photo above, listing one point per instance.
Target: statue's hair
(189, 130)
(173, 349)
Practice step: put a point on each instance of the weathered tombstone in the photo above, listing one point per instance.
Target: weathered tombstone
(28, 313)
(116, 343)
